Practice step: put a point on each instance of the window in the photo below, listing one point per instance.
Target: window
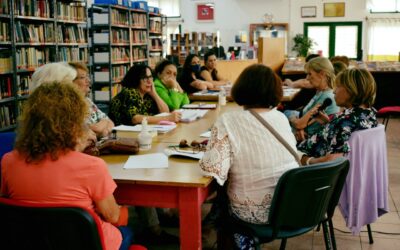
(383, 39)
(336, 38)
(376, 6)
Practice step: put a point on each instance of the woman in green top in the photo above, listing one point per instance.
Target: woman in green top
(167, 86)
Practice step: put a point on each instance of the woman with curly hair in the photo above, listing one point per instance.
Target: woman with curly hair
(47, 167)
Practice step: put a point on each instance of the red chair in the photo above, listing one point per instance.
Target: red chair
(48, 226)
(387, 112)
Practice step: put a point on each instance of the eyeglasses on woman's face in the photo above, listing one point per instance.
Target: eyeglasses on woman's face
(147, 78)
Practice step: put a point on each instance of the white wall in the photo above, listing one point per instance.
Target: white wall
(231, 16)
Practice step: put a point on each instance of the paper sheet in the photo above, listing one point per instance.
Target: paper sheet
(157, 160)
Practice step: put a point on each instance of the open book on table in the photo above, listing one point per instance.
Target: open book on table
(184, 153)
(200, 106)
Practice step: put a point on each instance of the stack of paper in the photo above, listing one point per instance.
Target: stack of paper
(190, 154)
(189, 115)
(200, 106)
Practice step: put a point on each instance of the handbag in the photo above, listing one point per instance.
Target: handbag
(113, 146)
(277, 135)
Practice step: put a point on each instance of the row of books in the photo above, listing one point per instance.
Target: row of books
(155, 43)
(31, 58)
(104, 93)
(75, 11)
(102, 74)
(24, 84)
(139, 36)
(7, 115)
(4, 7)
(71, 34)
(155, 26)
(139, 20)
(5, 87)
(5, 62)
(74, 54)
(154, 58)
(4, 31)
(34, 8)
(139, 54)
(34, 33)
(193, 39)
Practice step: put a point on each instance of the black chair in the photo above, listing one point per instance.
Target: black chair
(301, 201)
(28, 226)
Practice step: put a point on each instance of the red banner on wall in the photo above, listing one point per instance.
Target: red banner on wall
(205, 12)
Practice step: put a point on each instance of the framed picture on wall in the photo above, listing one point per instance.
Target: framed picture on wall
(334, 9)
(309, 11)
(205, 12)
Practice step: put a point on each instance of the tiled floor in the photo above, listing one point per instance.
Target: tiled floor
(386, 231)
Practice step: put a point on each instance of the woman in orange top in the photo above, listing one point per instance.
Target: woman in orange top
(47, 166)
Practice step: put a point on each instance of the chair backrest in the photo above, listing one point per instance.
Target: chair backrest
(365, 192)
(302, 195)
(39, 226)
(6, 142)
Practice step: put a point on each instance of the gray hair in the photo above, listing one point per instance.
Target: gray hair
(53, 72)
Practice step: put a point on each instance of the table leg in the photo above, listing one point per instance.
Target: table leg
(190, 201)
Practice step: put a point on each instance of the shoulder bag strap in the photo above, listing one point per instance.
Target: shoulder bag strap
(276, 134)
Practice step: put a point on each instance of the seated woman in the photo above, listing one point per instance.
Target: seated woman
(138, 99)
(321, 75)
(167, 86)
(59, 72)
(44, 164)
(190, 78)
(209, 71)
(98, 121)
(242, 153)
(355, 92)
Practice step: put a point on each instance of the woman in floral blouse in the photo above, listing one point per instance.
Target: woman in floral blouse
(355, 93)
(138, 99)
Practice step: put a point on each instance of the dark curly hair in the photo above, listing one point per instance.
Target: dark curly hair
(135, 73)
(52, 121)
(257, 86)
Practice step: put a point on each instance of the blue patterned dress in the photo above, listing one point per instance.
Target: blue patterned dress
(334, 136)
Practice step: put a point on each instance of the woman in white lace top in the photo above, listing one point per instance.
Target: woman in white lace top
(243, 152)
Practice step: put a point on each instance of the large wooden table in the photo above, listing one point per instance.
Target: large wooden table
(181, 185)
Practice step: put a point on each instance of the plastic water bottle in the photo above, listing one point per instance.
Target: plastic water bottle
(222, 97)
(145, 138)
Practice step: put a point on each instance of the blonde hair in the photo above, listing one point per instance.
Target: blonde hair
(79, 65)
(322, 64)
(53, 72)
(52, 121)
(360, 85)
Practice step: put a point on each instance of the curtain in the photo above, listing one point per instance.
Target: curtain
(383, 39)
(383, 5)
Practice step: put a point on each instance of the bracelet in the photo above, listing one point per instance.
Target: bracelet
(308, 160)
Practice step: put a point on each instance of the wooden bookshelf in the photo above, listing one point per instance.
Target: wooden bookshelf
(191, 43)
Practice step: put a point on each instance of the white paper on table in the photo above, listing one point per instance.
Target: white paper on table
(156, 160)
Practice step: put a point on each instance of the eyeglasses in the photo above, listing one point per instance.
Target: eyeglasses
(82, 78)
(147, 78)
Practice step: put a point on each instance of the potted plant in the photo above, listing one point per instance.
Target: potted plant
(302, 44)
